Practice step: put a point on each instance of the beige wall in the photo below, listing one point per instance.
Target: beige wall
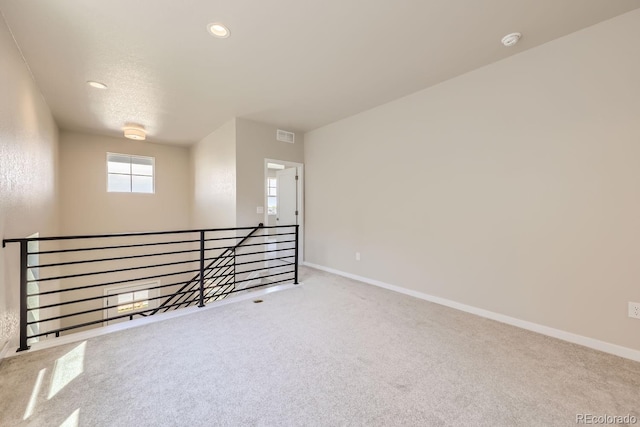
(514, 188)
(87, 207)
(256, 142)
(28, 172)
(213, 172)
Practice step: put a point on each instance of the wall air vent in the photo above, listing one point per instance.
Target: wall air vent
(284, 136)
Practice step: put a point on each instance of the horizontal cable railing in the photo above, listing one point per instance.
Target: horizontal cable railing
(72, 283)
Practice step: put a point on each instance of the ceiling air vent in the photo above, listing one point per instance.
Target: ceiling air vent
(284, 136)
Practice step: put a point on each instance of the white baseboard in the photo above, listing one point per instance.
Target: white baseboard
(595, 344)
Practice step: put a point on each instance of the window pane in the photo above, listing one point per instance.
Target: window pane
(138, 169)
(121, 158)
(119, 183)
(145, 161)
(128, 297)
(138, 295)
(140, 305)
(125, 308)
(271, 205)
(272, 191)
(142, 184)
(118, 167)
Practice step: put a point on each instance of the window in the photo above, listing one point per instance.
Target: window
(130, 174)
(129, 299)
(133, 301)
(272, 199)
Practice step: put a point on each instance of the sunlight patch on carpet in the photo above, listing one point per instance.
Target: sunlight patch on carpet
(67, 368)
(34, 394)
(72, 420)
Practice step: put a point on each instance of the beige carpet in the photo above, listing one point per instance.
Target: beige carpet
(329, 352)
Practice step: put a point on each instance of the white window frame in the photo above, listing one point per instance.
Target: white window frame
(131, 175)
(110, 298)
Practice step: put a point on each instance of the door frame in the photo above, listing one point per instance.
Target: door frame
(300, 169)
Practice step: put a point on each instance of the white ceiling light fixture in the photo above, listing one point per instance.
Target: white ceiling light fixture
(218, 30)
(96, 85)
(511, 39)
(136, 133)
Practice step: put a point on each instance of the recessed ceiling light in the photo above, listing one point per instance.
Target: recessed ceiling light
(218, 30)
(97, 85)
(511, 39)
(136, 133)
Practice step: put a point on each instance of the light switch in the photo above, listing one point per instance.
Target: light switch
(260, 209)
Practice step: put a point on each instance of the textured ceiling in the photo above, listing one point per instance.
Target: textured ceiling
(297, 64)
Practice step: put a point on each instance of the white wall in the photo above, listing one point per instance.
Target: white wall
(213, 171)
(256, 142)
(514, 188)
(87, 207)
(228, 173)
(28, 172)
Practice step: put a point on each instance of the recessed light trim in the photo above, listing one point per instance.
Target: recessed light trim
(96, 85)
(135, 133)
(511, 39)
(218, 30)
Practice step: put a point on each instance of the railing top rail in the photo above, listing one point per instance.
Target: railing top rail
(227, 267)
(135, 234)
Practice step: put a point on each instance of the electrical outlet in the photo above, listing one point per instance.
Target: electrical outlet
(357, 256)
(634, 309)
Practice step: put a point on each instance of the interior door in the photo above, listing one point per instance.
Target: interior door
(286, 213)
(287, 197)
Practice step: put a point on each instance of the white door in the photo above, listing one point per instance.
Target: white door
(287, 197)
(286, 214)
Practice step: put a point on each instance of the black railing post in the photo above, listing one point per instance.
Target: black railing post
(24, 257)
(233, 280)
(201, 304)
(295, 278)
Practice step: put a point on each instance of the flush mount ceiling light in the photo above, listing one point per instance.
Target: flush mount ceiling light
(135, 132)
(511, 39)
(96, 85)
(219, 30)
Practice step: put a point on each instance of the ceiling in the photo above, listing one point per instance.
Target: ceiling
(297, 64)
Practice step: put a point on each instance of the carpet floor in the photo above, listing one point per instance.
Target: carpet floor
(330, 352)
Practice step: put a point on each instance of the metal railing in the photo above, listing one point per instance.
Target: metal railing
(71, 283)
